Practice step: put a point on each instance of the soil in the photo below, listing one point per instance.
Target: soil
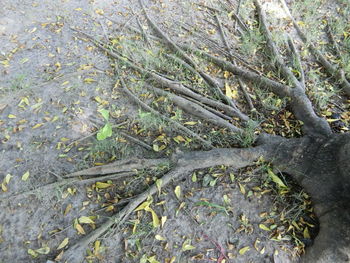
(52, 83)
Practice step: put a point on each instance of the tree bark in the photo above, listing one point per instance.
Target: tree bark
(322, 167)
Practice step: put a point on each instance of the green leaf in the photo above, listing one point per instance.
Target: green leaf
(276, 179)
(105, 132)
(263, 227)
(104, 113)
(187, 245)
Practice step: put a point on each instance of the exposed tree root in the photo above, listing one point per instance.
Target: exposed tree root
(184, 165)
(332, 70)
(64, 182)
(318, 161)
(302, 106)
(197, 110)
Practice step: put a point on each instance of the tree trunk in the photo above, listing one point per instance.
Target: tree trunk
(322, 167)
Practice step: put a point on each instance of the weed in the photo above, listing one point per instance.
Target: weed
(149, 121)
(19, 82)
(247, 137)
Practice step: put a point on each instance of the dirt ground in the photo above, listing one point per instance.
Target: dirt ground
(52, 83)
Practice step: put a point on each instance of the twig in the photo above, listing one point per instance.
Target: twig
(171, 84)
(302, 106)
(104, 30)
(185, 163)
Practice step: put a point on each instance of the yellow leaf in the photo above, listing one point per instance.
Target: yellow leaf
(178, 192)
(63, 243)
(275, 178)
(86, 220)
(97, 247)
(143, 205)
(243, 250)
(241, 188)
(152, 260)
(32, 253)
(159, 185)
(155, 148)
(159, 237)
(7, 178)
(89, 80)
(306, 233)
(43, 250)
(155, 218)
(3, 187)
(37, 125)
(263, 227)
(163, 220)
(80, 229)
(99, 11)
(190, 123)
(68, 208)
(11, 116)
(25, 176)
(101, 185)
(228, 91)
(226, 74)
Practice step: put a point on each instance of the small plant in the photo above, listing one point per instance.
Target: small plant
(106, 131)
(247, 137)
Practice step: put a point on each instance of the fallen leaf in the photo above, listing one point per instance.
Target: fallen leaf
(63, 243)
(86, 220)
(263, 227)
(178, 192)
(243, 250)
(25, 176)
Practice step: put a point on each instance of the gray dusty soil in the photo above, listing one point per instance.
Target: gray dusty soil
(52, 83)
